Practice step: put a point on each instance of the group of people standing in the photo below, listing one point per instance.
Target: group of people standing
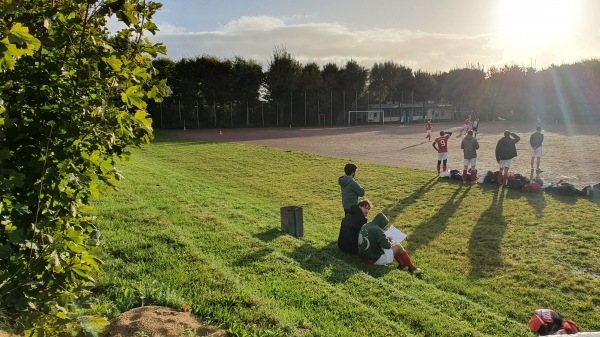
(506, 150)
(367, 239)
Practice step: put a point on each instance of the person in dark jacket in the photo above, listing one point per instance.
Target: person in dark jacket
(470, 145)
(376, 248)
(505, 151)
(351, 225)
(351, 190)
(536, 140)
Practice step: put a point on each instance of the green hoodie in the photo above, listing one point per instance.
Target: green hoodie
(351, 190)
(372, 239)
(470, 145)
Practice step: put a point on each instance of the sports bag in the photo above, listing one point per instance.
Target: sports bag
(548, 322)
(532, 187)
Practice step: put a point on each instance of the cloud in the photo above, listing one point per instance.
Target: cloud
(255, 37)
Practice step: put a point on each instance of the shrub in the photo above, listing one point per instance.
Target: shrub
(73, 97)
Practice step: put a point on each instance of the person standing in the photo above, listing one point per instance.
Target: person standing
(351, 225)
(428, 129)
(536, 140)
(442, 149)
(470, 145)
(351, 190)
(466, 126)
(506, 150)
(376, 248)
(475, 126)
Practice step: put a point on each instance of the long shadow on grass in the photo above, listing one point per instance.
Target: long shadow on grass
(537, 201)
(394, 211)
(565, 199)
(334, 265)
(484, 244)
(269, 235)
(432, 228)
(328, 261)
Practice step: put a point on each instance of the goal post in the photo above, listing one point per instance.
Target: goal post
(363, 117)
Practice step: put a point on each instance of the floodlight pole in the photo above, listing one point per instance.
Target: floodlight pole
(344, 105)
(318, 110)
(331, 106)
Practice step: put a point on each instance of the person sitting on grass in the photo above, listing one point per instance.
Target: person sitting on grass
(351, 225)
(376, 248)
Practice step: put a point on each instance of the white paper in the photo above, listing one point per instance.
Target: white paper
(395, 234)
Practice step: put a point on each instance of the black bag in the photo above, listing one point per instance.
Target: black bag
(491, 177)
(455, 174)
(515, 183)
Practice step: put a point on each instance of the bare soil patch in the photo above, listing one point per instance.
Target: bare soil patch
(154, 321)
(571, 152)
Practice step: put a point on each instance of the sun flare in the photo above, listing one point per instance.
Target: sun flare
(533, 23)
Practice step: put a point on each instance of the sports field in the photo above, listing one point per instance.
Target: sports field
(571, 152)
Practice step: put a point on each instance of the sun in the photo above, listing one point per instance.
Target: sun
(533, 23)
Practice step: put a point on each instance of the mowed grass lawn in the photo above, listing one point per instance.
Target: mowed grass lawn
(198, 224)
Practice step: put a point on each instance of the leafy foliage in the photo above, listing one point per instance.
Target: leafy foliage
(73, 98)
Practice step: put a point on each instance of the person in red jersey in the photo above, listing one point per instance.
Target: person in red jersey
(466, 126)
(441, 146)
(428, 129)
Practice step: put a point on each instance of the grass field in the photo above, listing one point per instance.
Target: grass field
(198, 223)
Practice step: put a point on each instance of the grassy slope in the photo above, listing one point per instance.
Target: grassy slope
(199, 223)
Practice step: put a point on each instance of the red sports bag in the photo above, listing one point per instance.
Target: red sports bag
(548, 322)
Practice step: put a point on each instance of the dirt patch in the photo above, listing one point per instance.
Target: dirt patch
(154, 321)
(570, 151)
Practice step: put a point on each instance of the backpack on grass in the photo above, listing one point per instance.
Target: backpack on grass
(455, 174)
(517, 181)
(549, 322)
(491, 177)
(532, 187)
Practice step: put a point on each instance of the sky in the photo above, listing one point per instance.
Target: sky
(427, 35)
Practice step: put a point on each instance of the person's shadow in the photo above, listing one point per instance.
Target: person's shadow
(393, 211)
(537, 200)
(484, 245)
(329, 261)
(429, 230)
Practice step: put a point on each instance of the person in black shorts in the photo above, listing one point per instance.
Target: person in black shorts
(475, 126)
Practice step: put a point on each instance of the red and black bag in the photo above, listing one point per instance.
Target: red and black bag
(548, 322)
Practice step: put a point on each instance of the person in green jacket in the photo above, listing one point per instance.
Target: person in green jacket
(376, 248)
(470, 145)
(351, 190)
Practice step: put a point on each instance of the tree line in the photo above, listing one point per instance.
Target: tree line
(211, 92)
